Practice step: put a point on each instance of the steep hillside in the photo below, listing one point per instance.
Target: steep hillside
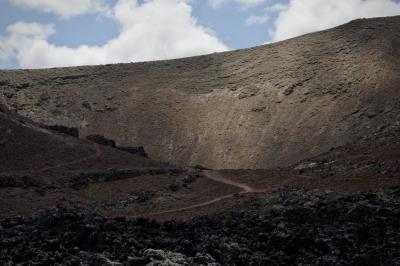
(30, 154)
(268, 106)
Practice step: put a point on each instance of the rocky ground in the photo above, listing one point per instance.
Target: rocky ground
(289, 227)
(82, 212)
(307, 128)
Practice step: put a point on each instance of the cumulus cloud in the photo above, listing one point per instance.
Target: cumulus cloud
(151, 30)
(243, 3)
(300, 17)
(65, 8)
(277, 7)
(20, 36)
(5, 50)
(30, 30)
(257, 19)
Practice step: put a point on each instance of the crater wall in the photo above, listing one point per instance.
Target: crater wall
(268, 106)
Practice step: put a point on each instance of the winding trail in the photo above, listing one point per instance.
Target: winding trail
(215, 176)
(210, 174)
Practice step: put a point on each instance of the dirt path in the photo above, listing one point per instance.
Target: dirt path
(219, 178)
(215, 176)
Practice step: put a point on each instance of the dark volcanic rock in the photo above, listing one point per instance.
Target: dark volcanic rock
(3, 109)
(109, 142)
(134, 150)
(72, 131)
(101, 140)
(292, 227)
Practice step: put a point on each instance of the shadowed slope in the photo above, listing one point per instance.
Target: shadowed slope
(268, 106)
(27, 150)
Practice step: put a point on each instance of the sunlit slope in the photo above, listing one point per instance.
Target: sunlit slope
(262, 107)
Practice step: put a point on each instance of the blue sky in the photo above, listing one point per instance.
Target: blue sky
(51, 33)
(228, 22)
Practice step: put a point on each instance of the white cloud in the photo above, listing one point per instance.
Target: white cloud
(301, 17)
(277, 7)
(20, 35)
(65, 8)
(31, 30)
(4, 50)
(257, 19)
(243, 3)
(154, 29)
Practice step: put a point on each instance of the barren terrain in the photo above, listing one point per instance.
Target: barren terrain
(283, 154)
(268, 106)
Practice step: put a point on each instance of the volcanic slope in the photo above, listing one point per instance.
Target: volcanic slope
(268, 106)
(29, 151)
(41, 168)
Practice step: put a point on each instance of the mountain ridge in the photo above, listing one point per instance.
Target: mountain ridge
(262, 107)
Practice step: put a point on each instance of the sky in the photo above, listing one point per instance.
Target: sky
(57, 33)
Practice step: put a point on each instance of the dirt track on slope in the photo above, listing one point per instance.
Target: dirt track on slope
(215, 176)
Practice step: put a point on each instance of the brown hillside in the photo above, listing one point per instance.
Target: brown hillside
(268, 106)
(30, 154)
